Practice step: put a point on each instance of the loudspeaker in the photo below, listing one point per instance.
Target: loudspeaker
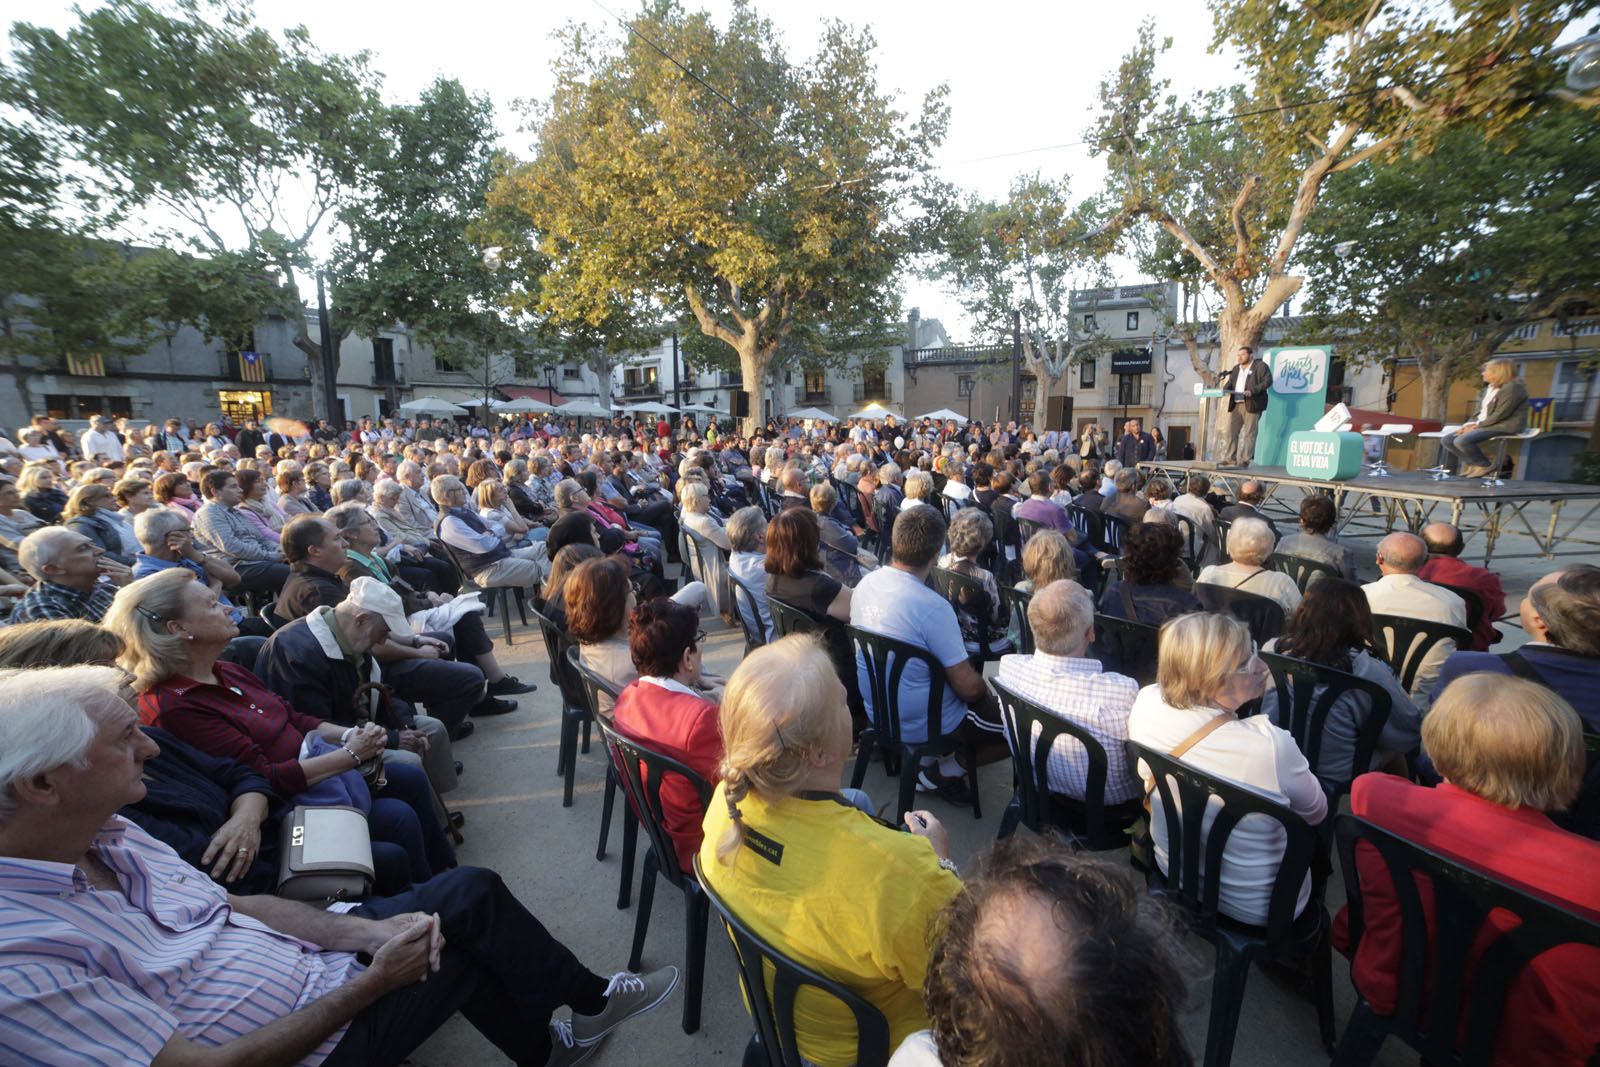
(741, 404)
(1058, 413)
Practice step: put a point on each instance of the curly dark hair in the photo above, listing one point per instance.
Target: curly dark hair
(1101, 985)
(1152, 554)
(1332, 622)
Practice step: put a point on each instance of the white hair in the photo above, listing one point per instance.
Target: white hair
(44, 548)
(889, 474)
(1250, 541)
(696, 495)
(1059, 614)
(48, 719)
(444, 486)
(387, 490)
(151, 527)
(919, 485)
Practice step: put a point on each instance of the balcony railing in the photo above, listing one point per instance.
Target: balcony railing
(641, 388)
(1140, 396)
(959, 354)
(730, 379)
(817, 396)
(863, 393)
(395, 375)
(236, 368)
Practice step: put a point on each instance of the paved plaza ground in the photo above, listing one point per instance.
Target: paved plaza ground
(516, 825)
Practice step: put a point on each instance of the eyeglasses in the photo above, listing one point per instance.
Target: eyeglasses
(155, 620)
(1252, 663)
(699, 639)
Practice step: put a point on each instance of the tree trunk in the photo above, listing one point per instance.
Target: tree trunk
(753, 362)
(1435, 374)
(1043, 388)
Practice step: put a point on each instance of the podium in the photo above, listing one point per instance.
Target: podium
(1327, 457)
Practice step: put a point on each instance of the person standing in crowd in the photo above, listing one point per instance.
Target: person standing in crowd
(1246, 385)
(1135, 446)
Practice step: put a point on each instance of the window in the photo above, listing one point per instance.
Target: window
(964, 385)
(1086, 374)
(1578, 328)
(241, 404)
(570, 372)
(873, 384)
(1128, 389)
(641, 379)
(450, 361)
(816, 385)
(1133, 320)
(1088, 322)
(383, 359)
(1573, 392)
(67, 406)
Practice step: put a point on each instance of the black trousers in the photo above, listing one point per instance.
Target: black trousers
(448, 689)
(261, 577)
(429, 574)
(500, 968)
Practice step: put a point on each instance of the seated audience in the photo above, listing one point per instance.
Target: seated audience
(1250, 544)
(852, 897)
(166, 542)
(1252, 494)
(260, 989)
(173, 490)
(174, 631)
(1510, 751)
(91, 511)
(1127, 505)
(1151, 585)
(1040, 507)
(1063, 679)
(16, 522)
(896, 601)
(600, 600)
(1315, 539)
(919, 491)
(40, 493)
(699, 519)
(667, 709)
(794, 567)
(222, 528)
(747, 565)
(1446, 567)
(841, 551)
(1333, 627)
(67, 569)
(1046, 558)
(1400, 591)
(1192, 505)
(1047, 956)
(969, 536)
(485, 558)
(1561, 616)
(555, 586)
(1208, 670)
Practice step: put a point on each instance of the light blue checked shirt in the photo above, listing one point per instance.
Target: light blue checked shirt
(1079, 691)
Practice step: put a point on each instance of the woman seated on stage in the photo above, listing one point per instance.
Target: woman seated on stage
(1504, 412)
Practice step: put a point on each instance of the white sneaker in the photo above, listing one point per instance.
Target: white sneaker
(564, 1051)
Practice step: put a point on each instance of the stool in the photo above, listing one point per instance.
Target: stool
(1441, 471)
(1379, 468)
(1501, 443)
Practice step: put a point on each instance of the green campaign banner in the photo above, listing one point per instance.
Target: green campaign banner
(1328, 457)
(1296, 401)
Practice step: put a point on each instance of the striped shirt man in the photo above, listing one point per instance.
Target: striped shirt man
(1079, 691)
(97, 977)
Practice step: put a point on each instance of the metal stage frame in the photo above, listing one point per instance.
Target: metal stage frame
(1412, 501)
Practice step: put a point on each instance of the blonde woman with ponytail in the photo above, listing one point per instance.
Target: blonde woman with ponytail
(804, 866)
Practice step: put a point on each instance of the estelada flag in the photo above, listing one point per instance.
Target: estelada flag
(252, 368)
(90, 366)
(1541, 413)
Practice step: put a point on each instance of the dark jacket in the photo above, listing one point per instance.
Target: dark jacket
(189, 794)
(1255, 390)
(1242, 510)
(307, 589)
(99, 529)
(1132, 450)
(248, 441)
(292, 664)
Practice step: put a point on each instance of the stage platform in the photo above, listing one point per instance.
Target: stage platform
(1405, 500)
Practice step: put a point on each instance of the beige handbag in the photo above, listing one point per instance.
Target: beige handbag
(325, 854)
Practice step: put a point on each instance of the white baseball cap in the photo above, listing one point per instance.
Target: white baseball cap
(371, 595)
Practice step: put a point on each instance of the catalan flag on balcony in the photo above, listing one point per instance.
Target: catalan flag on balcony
(90, 366)
(1541, 413)
(252, 368)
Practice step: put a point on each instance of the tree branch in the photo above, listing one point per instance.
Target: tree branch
(709, 325)
(1305, 198)
(1241, 236)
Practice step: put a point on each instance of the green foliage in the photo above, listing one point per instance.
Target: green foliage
(1438, 258)
(1219, 187)
(780, 213)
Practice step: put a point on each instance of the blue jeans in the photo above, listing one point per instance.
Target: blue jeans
(1466, 446)
(405, 831)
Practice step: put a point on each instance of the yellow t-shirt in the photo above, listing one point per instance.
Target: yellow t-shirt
(843, 895)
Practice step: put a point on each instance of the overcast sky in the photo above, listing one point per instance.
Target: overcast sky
(1023, 75)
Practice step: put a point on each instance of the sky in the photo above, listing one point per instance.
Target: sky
(1023, 74)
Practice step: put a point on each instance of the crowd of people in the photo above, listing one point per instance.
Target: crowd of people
(206, 627)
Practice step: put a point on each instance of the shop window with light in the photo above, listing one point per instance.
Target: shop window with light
(240, 404)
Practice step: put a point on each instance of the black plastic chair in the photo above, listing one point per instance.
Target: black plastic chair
(1089, 820)
(496, 598)
(642, 770)
(574, 703)
(1127, 646)
(886, 660)
(1026, 528)
(885, 516)
(1086, 522)
(1470, 597)
(1223, 526)
(242, 651)
(774, 1043)
(1193, 883)
(749, 613)
(1405, 642)
(1113, 532)
(269, 615)
(1262, 614)
(1307, 693)
(967, 594)
(1303, 571)
(788, 619)
(1435, 1001)
(1019, 611)
(595, 684)
(1007, 546)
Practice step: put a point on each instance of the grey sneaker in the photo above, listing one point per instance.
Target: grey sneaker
(627, 995)
(564, 1051)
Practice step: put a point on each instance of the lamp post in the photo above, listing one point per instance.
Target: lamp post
(330, 387)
